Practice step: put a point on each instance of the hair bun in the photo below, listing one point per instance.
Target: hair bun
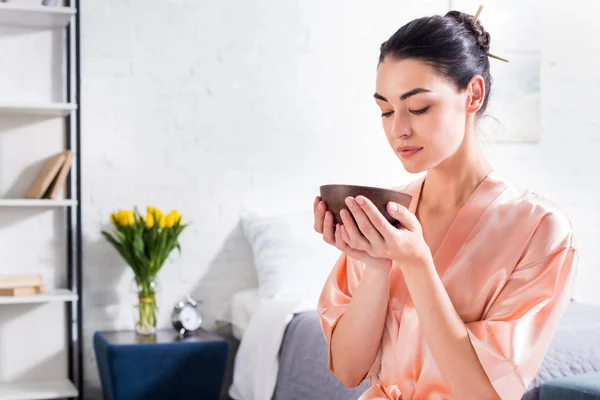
(466, 20)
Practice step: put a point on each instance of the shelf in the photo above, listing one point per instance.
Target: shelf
(36, 203)
(24, 22)
(35, 17)
(41, 110)
(50, 296)
(37, 390)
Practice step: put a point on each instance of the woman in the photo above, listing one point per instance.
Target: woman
(462, 302)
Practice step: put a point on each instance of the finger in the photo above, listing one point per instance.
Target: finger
(328, 234)
(316, 203)
(320, 210)
(360, 255)
(408, 220)
(348, 246)
(341, 243)
(356, 239)
(384, 228)
(344, 234)
(364, 224)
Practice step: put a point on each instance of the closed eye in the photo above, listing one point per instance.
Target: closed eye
(419, 112)
(387, 114)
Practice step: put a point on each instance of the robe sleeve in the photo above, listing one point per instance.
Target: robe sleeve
(335, 298)
(517, 328)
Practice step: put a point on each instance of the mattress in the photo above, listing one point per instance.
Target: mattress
(575, 348)
(303, 372)
(243, 305)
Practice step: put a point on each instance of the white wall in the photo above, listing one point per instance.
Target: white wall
(564, 165)
(207, 107)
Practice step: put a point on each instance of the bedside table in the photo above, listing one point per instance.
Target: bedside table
(161, 366)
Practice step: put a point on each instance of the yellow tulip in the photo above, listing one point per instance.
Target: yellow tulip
(123, 218)
(157, 213)
(149, 220)
(119, 216)
(154, 211)
(175, 216)
(127, 218)
(162, 222)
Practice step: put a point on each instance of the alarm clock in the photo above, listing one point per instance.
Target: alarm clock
(186, 317)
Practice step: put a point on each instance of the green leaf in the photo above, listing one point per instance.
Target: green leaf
(121, 250)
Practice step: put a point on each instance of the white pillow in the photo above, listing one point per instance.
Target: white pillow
(291, 259)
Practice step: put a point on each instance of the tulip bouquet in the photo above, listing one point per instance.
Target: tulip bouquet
(144, 243)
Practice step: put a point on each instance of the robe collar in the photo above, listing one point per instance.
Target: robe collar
(466, 219)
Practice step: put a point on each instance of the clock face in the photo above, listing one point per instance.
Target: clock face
(190, 319)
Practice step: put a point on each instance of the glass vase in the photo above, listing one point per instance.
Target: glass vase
(145, 299)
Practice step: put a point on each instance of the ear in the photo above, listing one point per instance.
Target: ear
(475, 94)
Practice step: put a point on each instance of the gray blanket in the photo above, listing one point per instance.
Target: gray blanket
(303, 373)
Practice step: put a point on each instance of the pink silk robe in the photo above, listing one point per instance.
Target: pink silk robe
(508, 262)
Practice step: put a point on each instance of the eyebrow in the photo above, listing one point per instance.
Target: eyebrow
(405, 95)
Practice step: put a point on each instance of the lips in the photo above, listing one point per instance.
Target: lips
(408, 151)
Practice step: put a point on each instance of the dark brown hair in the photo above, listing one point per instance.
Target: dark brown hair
(455, 47)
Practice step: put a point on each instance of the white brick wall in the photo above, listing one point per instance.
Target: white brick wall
(210, 106)
(206, 107)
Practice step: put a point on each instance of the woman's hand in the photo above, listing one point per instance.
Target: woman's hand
(378, 238)
(324, 225)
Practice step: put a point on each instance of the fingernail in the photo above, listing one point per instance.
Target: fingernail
(393, 207)
(349, 201)
(343, 213)
(360, 200)
(320, 207)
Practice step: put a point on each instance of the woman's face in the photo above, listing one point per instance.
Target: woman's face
(423, 115)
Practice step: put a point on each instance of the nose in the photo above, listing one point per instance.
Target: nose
(400, 127)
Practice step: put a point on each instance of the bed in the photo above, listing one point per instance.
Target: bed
(301, 359)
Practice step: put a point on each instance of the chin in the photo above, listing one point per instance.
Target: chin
(419, 163)
(413, 167)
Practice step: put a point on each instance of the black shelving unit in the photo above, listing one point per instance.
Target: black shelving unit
(65, 19)
(74, 233)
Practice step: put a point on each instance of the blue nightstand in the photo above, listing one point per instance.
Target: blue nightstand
(162, 366)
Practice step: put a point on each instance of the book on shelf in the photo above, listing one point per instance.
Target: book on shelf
(59, 182)
(22, 291)
(51, 178)
(21, 284)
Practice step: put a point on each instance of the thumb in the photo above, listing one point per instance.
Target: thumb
(404, 216)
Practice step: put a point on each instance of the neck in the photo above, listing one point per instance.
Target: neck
(451, 183)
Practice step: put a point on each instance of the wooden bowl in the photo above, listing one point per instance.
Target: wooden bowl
(334, 197)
